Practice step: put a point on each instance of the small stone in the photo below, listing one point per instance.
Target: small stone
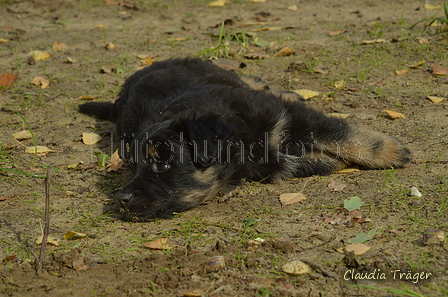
(296, 267)
(434, 237)
(415, 192)
(215, 263)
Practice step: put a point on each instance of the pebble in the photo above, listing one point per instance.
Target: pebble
(415, 192)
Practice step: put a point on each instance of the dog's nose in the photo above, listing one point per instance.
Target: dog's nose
(124, 198)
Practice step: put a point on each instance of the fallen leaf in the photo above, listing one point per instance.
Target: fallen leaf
(159, 244)
(227, 64)
(257, 1)
(39, 80)
(357, 248)
(59, 46)
(218, 3)
(335, 186)
(269, 28)
(291, 198)
(115, 163)
(146, 62)
(292, 8)
(3, 40)
(110, 46)
(348, 170)
(353, 203)
(71, 60)
(9, 258)
(39, 55)
(338, 115)
(90, 138)
(6, 197)
(392, 115)
(86, 97)
(363, 237)
(285, 51)
(418, 64)
(78, 264)
(373, 41)
(296, 267)
(439, 70)
(336, 32)
(72, 235)
(256, 56)
(37, 149)
(7, 80)
(194, 293)
(306, 94)
(422, 40)
(432, 7)
(340, 84)
(320, 70)
(435, 99)
(401, 72)
(50, 240)
(22, 135)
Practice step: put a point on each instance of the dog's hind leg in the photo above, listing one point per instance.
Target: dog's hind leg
(101, 110)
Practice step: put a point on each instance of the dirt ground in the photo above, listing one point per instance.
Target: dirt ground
(361, 56)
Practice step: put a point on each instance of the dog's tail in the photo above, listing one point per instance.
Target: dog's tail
(101, 110)
(369, 149)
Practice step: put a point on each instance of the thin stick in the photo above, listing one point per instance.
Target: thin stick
(321, 269)
(47, 222)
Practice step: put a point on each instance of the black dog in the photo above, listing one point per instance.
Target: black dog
(194, 130)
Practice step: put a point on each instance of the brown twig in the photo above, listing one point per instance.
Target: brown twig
(47, 223)
(320, 268)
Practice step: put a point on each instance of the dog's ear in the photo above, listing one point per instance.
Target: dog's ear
(207, 137)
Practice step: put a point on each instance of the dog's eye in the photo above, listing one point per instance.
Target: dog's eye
(160, 167)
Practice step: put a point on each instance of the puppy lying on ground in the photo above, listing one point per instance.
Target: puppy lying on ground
(195, 130)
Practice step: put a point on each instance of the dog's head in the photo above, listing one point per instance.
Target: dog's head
(176, 166)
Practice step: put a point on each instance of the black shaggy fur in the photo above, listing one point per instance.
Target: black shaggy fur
(194, 129)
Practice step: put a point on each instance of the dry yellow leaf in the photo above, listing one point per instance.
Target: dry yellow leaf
(37, 149)
(348, 170)
(285, 51)
(373, 41)
(401, 72)
(3, 40)
(115, 163)
(39, 80)
(434, 99)
(22, 135)
(267, 29)
(338, 115)
(59, 46)
(422, 40)
(146, 62)
(159, 244)
(50, 240)
(393, 115)
(292, 8)
(336, 32)
(340, 84)
(432, 7)
(306, 94)
(90, 138)
(357, 248)
(39, 55)
(257, 1)
(218, 3)
(419, 63)
(291, 198)
(440, 70)
(72, 235)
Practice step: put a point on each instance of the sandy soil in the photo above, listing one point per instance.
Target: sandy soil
(354, 77)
